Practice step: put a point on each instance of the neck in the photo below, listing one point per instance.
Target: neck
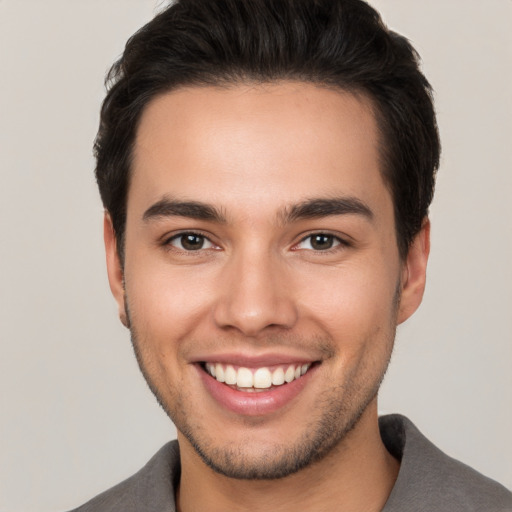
(357, 475)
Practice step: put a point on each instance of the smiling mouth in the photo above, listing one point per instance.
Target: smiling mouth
(255, 379)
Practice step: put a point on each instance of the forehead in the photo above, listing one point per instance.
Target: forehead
(265, 145)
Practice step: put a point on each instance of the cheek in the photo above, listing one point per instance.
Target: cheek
(357, 297)
(166, 302)
(357, 312)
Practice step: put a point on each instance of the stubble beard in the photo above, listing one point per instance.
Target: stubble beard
(338, 414)
(337, 419)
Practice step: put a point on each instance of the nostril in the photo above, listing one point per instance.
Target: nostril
(252, 319)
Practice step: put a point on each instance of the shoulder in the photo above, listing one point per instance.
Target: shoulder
(149, 490)
(430, 480)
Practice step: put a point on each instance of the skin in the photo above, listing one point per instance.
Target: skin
(259, 286)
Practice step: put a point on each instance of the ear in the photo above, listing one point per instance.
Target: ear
(414, 273)
(114, 268)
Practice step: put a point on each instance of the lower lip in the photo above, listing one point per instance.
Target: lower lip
(256, 403)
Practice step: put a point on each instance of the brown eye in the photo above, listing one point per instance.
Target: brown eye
(319, 242)
(190, 242)
(322, 242)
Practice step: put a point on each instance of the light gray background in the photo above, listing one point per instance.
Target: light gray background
(76, 416)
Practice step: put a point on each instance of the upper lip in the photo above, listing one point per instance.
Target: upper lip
(254, 361)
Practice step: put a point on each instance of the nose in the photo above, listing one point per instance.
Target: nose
(255, 295)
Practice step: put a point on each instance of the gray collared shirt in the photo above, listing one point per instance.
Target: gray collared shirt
(428, 480)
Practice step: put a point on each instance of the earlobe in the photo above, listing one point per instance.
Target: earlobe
(414, 273)
(114, 268)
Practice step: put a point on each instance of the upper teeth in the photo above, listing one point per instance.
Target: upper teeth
(260, 378)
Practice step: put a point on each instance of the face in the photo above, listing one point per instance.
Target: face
(262, 280)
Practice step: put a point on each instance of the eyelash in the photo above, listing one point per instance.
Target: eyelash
(168, 241)
(340, 243)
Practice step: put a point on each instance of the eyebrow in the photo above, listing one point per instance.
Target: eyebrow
(324, 207)
(307, 209)
(168, 207)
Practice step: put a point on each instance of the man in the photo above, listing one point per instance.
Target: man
(266, 169)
